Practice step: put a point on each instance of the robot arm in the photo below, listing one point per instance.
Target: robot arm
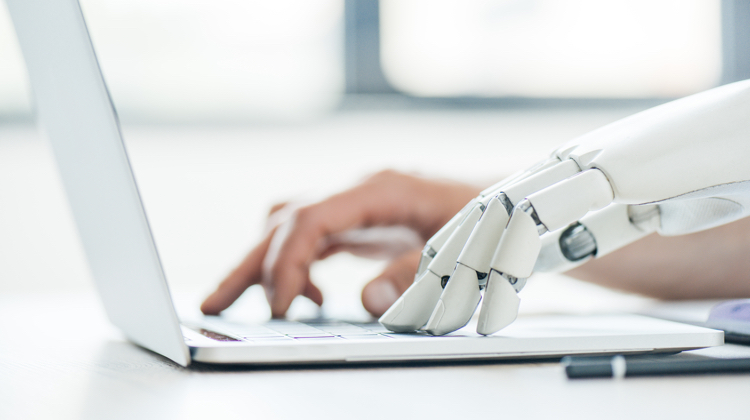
(677, 168)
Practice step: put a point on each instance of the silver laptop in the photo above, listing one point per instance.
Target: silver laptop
(76, 112)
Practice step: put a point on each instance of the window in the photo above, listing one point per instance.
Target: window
(217, 60)
(548, 48)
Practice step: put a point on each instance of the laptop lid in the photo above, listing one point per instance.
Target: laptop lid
(75, 110)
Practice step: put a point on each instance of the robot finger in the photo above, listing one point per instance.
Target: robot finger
(459, 301)
(435, 244)
(412, 310)
(456, 304)
(547, 210)
(501, 303)
(479, 249)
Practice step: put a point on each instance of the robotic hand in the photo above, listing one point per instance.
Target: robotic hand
(677, 168)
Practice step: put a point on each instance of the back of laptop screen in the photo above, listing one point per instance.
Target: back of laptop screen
(75, 111)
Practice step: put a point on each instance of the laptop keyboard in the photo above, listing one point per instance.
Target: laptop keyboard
(282, 330)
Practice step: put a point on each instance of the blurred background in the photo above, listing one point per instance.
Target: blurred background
(230, 106)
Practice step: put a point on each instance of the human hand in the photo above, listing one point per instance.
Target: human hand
(299, 235)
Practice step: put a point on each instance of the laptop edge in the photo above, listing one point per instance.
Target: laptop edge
(75, 110)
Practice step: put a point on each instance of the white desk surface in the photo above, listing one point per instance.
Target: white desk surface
(59, 358)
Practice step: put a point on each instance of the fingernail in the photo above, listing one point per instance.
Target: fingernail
(379, 296)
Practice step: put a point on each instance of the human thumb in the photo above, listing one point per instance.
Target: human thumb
(379, 294)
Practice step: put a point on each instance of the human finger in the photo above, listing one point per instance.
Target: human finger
(245, 275)
(312, 292)
(298, 241)
(276, 207)
(380, 293)
(380, 242)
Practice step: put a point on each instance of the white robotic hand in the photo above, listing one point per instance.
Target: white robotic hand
(677, 168)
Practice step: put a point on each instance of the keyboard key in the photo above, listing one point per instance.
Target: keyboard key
(366, 337)
(271, 339)
(311, 335)
(243, 330)
(407, 335)
(262, 335)
(294, 328)
(319, 338)
(325, 323)
(345, 329)
(374, 327)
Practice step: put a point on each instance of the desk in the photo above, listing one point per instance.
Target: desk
(60, 359)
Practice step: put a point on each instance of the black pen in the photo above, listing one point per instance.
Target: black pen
(622, 366)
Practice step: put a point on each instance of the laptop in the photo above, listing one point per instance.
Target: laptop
(76, 112)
